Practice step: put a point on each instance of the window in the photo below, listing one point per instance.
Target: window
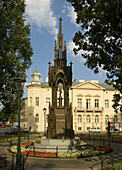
(37, 101)
(79, 128)
(22, 117)
(88, 128)
(106, 119)
(97, 119)
(106, 103)
(79, 101)
(47, 101)
(37, 118)
(88, 103)
(115, 118)
(96, 102)
(79, 119)
(30, 101)
(88, 118)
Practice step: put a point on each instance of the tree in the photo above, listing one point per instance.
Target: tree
(100, 36)
(15, 50)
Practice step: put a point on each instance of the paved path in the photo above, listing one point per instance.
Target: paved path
(65, 164)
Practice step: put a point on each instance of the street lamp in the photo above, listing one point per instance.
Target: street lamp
(109, 133)
(44, 111)
(19, 80)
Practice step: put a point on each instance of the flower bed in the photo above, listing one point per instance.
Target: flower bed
(38, 141)
(79, 154)
(26, 144)
(106, 149)
(39, 154)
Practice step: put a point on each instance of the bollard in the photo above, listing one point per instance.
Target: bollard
(100, 137)
(94, 140)
(101, 164)
(28, 138)
(56, 151)
(34, 150)
(81, 150)
(23, 163)
(109, 144)
(12, 166)
(99, 149)
(103, 141)
(89, 136)
(10, 143)
(113, 161)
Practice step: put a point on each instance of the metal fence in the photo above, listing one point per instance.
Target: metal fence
(107, 163)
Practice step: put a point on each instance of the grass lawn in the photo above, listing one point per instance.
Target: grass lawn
(113, 138)
(14, 138)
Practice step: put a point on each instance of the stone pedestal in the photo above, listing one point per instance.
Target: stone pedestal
(58, 145)
(60, 122)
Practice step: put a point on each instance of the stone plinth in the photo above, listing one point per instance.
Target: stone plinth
(59, 145)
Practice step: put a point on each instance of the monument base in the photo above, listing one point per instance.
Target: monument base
(59, 145)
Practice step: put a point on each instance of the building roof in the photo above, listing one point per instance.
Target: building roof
(104, 85)
(35, 72)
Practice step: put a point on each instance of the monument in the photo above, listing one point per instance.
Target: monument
(60, 119)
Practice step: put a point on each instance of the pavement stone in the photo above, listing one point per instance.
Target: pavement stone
(65, 164)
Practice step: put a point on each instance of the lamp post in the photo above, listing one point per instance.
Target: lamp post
(44, 111)
(109, 133)
(19, 81)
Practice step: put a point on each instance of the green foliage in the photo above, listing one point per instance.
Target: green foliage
(84, 153)
(100, 36)
(15, 51)
(117, 166)
(116, 102)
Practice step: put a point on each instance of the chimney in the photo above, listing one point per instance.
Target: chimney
(46, 79)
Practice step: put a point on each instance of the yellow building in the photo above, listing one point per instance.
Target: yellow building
(91, 105)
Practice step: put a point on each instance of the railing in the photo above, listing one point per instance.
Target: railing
(89, 109)
(21, 165)
(106, 163)
(101, 137)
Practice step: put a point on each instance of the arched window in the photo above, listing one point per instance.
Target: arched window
(97, 119)
(106, 119)
(88, 118)
(79, 119)
(115, 118)
(37, 118)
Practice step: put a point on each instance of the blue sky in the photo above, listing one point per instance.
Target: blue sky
(43, 16)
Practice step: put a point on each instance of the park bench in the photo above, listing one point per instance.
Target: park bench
(3, 159)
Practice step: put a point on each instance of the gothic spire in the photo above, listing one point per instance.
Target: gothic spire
(60, 35)
(55, 50)
(60, 27)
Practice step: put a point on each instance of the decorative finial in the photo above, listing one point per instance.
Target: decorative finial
(55, 50)
(64, 45)
(35, 68)
(49, 63)
(60, 28)
(55, 45)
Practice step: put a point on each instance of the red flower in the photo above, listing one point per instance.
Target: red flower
(103, 148)
(40, 154)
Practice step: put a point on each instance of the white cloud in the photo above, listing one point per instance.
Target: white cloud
(39, 12)
(71, 13)
(71, 45)
(79, 57)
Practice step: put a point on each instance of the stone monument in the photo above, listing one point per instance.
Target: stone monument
(60, 119)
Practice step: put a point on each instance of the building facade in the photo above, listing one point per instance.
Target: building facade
(91, 103)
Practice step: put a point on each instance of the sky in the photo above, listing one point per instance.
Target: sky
(43, 16)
